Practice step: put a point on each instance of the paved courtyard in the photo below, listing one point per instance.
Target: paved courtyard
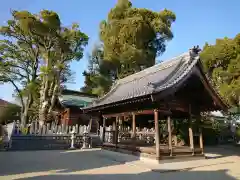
(97, 164)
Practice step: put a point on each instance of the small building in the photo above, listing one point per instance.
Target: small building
(69, 107)
(152, 102)
(9, 112)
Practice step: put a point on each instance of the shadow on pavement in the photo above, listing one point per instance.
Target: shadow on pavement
(187, 175)
(93, 164)
(213, 152)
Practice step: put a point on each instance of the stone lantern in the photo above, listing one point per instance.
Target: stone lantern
(73, 137)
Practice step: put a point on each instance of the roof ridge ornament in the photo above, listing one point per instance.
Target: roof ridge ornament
(193, 52)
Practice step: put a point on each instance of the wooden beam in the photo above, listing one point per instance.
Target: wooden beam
(157, 135)
(178, 105)
(150, 111)
(133, 125)
(118, 104)
(140, 112)
(169, 135)
(116, 115)
(190, 131)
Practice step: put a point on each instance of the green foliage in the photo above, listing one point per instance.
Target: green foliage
(100, 74)
(238, 132)
(20, 54)
(133, 37)
(35, 56)
(222, 63)
(9, 113)
(59, 47)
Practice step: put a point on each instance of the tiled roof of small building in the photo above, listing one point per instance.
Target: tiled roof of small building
(75, 98)
(150, 80)
(4, 103)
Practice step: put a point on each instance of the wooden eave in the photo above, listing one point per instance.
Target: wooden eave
(119, 103)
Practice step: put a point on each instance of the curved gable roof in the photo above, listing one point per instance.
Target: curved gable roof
(151, 80)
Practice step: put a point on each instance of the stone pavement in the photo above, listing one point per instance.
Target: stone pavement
(104, 165)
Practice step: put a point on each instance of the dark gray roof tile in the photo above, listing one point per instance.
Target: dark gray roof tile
(148, 81)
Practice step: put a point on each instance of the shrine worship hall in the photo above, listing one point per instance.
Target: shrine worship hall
(157, 111)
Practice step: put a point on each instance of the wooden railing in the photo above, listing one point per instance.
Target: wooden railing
(125, 134)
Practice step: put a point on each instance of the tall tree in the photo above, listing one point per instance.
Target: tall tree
(59, 46)
(19, 54)
(49, 46)
(71, 45)
(222, 63)
(133, 37)
(100, 74)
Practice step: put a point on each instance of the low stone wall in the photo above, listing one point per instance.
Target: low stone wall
(48, 142)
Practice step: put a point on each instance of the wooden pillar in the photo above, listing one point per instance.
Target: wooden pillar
(90, 125)
(104, 130)
(133, 125)
(169, 135)
(116, 132)
(175, 130)
(190, 131)
(200, 134)
(98, 126)
(114, 124)
(157, 135)
(68, 116)
(201, 140)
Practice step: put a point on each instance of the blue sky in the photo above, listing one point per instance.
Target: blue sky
(197, 22)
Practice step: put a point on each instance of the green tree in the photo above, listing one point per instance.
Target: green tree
(19, 54)
(133, 37)
(37, 61)
(64, 46)
(222, 64)
(9, 113)
(100, 74)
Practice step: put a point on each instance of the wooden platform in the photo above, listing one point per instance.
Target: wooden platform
(150, 151)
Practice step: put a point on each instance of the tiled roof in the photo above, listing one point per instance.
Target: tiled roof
(4, 103)
(150, 80)
(75, 100)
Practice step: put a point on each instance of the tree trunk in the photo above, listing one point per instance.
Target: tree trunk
(25, 109)
(43, 112)
(23, 117)
(44, 103)
(53, 98)
(44, 100)
(54, 91)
